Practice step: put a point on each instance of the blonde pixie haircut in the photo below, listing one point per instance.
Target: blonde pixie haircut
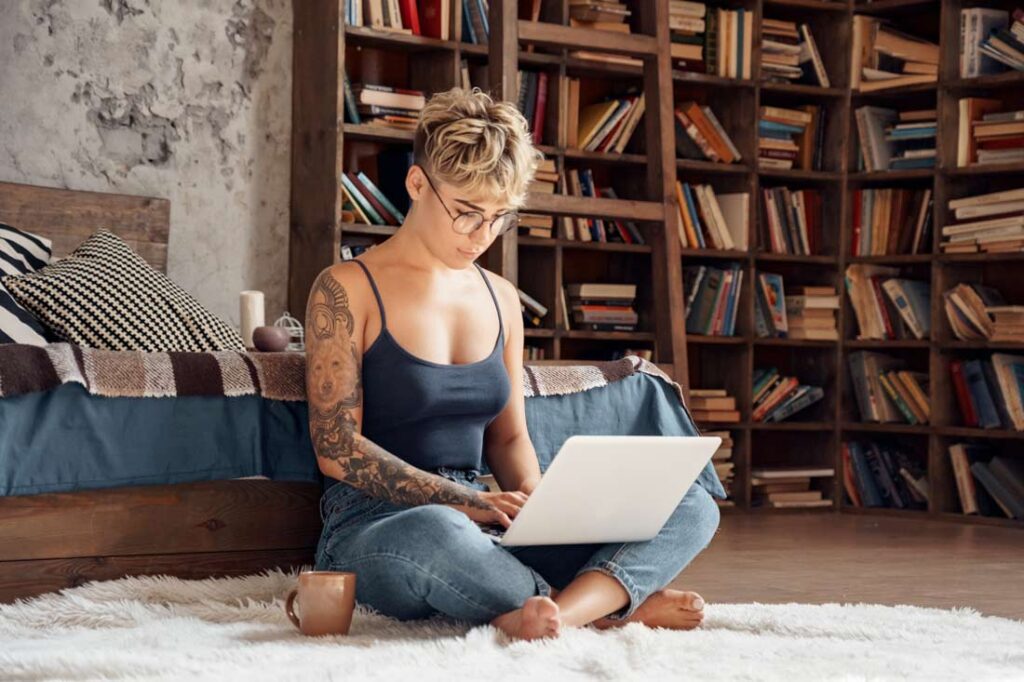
(466, 139)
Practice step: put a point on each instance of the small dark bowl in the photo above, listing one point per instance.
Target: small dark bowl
(270, 339)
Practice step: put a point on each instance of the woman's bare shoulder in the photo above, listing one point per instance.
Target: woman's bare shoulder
(344, 285)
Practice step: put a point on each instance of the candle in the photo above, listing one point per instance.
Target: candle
(251, 308)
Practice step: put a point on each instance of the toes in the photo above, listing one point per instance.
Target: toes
(694, 601)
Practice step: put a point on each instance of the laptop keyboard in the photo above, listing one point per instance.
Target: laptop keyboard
(495, 532)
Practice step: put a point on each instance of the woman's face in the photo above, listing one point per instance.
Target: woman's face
(442, 205)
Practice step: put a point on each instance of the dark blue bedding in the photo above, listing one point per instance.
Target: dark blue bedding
(67, 439)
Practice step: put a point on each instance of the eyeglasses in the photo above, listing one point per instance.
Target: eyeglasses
(470, 221)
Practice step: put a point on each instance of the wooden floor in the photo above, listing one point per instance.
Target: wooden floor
(828, 557)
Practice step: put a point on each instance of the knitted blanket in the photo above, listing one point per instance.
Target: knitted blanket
(276, 376)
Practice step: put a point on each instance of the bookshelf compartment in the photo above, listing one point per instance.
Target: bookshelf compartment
(539, 101)
(733, 110)
(890, 414)
(976, 368)
(1005, 280)
(722, 367)
(852, 331)
(816, 235)
(779, 449)
(585, 266)
(820, 149)
(947, 494)
(811, 365)
(830, 31)
(537, 278)
(861, 456)
(426, 70)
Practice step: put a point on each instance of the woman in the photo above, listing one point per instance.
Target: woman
(406, 398)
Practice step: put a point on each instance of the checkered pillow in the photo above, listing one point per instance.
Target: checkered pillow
(104, 295)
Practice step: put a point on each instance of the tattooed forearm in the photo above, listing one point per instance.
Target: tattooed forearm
(334, 388)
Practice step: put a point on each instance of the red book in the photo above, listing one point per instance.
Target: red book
(410, 16)
(880, 296)
(963, 394)
(432, 18)
(1015, 142)
(539, 106)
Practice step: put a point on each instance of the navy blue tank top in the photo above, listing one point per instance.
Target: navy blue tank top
(430, 414)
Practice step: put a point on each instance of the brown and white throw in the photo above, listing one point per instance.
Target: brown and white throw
(276, 376)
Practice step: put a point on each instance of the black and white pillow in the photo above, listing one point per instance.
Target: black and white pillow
(20, 253)
(104, 295)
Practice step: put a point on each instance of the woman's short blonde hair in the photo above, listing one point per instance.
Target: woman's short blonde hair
(468, 140)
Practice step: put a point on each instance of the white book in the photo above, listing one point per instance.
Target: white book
(989, 209)
(994, 197)
(736, 215)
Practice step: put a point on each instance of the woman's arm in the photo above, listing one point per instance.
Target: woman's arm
(334, 394)
(509, 452)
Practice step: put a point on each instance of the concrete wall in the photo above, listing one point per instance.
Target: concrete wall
(188, 100)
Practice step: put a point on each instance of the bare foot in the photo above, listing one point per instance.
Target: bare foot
(673, 609)
(537, 618)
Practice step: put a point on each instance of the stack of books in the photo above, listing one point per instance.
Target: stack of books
(890, 221)
(546, 180)
(789, 54)
(970, 309)
(883, 475)
(987, 134)
(989, 392)
(1001, 479)
(725, 467)
(778, 397)
(712, 301)
(533, 310)
(883, 57)
(687, 26)
(366, 202)
(770, 306)
(531, 353)
(792, 220)
(597, 306)
(1008, 323)
(790, 138)
(713, 406)
(382, 105)
(811, 313)
(532, 98)
(994, 223)
(989, 43)
(580, 183)
(788, 486)
(709, 220)
(886, 391)
(701, 136)
(886, 306)
(602, 15)
(605, 126)
(894, 140)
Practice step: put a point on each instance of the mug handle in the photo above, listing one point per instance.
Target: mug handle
(289, 607)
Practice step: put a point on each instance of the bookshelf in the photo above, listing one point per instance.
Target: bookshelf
(644, 175)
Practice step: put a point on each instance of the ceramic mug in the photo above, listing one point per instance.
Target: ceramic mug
(326, 600)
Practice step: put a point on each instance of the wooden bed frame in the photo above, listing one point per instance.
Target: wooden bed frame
(192, 530)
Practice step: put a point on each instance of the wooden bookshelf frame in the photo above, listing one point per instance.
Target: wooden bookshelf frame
(319, 135)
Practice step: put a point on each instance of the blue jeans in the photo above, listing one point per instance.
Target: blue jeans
(415, 561)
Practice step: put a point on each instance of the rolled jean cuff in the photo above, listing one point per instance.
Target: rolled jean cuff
(543, 587)
(610, 568)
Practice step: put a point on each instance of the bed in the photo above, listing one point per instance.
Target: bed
(49, 541)
(97, 482)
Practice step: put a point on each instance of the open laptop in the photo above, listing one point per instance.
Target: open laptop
(608, 489)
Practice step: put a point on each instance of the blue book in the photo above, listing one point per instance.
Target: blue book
(691, 206)
(974, 375)
(483, 18)
(870, 495)
(468, 35)
(913, 300)
(729, 326)
(364, 203)
(916, 162)
(764, 126)
(911, 133)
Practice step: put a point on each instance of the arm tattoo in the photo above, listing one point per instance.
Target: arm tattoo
(334, 388)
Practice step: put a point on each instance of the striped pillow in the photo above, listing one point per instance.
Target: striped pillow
(20, 253)
(104, 295)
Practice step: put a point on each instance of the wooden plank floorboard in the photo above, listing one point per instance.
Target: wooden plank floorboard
(823, 557)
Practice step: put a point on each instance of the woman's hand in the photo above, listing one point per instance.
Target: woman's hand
(502, 507)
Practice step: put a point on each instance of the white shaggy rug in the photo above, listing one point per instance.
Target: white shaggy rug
(236, 628)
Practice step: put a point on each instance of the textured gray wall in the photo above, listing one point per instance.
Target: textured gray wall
(186, 100)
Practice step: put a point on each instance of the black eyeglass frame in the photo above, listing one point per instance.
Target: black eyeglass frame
(480, 222)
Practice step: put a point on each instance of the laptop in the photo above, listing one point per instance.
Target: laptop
(608, 489)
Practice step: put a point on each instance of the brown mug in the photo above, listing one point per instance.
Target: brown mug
(326, 602)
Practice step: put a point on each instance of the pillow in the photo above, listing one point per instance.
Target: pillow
(20, 253)
(104, 295)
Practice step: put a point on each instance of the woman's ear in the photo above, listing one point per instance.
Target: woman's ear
(415, 182)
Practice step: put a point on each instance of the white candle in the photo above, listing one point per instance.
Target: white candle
(251, 309)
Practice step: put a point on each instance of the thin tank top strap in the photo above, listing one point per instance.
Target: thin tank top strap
(501, 327)
(376, 292)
